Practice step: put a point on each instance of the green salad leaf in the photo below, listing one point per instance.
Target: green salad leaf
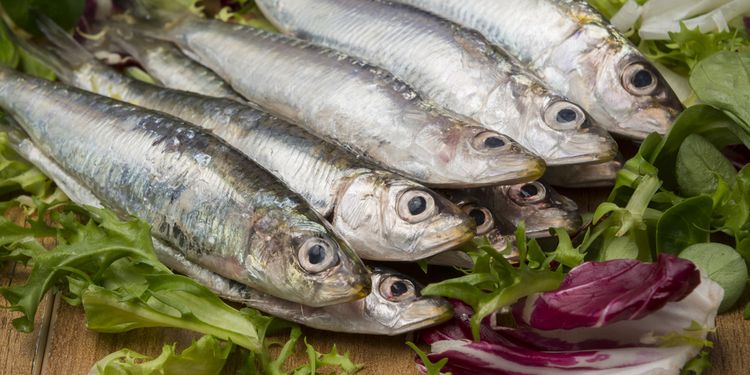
(207, 356)
(245, 12)
(684, 224)
(432, 368)
(262, 363)
(723, 81)
(494, 283)
(723, 265)
(688, 47)
(24, 13)
(700, 166)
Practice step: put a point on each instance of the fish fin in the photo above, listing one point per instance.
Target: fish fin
(64, 54)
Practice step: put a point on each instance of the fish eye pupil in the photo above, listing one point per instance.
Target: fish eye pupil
(529, 190)
(316, 254)
(417, 205)
(478, 216)
(494, 142)
(566, 115)
(398, 288)
(643, 78)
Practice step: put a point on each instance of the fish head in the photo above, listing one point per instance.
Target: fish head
(306, 263)
(636, 97)
(387, 217)
(538, 206)
(564, 134)
(396, 303)
(473, 156)
(554, 128)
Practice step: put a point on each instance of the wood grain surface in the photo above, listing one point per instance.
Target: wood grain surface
(61, 344)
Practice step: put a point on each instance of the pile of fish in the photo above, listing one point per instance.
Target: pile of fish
(269, 164)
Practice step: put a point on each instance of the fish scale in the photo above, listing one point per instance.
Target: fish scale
(357, 106)
(332, 181)
(570, 47)
(199, 194)
(451, 66)
(378, 313)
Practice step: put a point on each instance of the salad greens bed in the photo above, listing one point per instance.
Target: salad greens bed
(679, 195)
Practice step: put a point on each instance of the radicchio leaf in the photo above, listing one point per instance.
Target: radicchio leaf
(642, 339)
(595, 294)
(479, 358)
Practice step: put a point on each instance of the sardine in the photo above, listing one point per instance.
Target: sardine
(535, 203)
(451, 66)
(199, 194)
(382, 215)
(170, 67)
(575, 52)
(585, 175)
(359, 107)
(393, 306)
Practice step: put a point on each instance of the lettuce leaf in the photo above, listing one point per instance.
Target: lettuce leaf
(494, 283)
(207, 356)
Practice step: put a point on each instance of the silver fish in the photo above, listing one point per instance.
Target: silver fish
(585, 175)
(382, 215)
(359, 107)
(199, 194)
(576, 53)
(451, 66)
(393, 307)
(535, 203)
(169, 66)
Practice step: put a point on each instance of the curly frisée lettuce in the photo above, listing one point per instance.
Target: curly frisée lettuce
(205, 356)
(494, 283)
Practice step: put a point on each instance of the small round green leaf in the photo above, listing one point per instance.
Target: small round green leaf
(723, 265)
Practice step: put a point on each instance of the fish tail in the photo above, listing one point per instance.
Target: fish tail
(63, 54)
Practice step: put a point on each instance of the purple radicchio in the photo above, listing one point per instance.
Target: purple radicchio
(598, 293)
(639, 336)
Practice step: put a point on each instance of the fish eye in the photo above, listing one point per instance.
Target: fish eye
(528, 193)
(416, 205)
(638, 79)
(396, 289)
(317, 255)
(490, 141)
(482, 216)
(563, 115)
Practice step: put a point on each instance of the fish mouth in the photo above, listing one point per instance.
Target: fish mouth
(650, 120)
(444, 240)
(598, 147)
(356, 292)
(423, 313)
(591, 158)
(533, 168)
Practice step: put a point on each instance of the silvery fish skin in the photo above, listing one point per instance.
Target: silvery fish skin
(535, 203)
(382, 215)
(169, 66)
(392, 308)
(585, 175)
(199, 194)
(576, 53)
(452, 67)
(359, 107)
(380, 313)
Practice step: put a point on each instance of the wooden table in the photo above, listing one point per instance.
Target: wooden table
(61, 344)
